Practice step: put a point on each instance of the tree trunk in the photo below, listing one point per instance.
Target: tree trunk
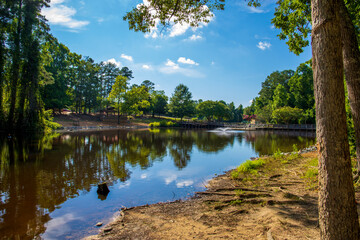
(2, 77)
(338, 217)
(118, 112)
(351, 55)
(33, 115)
(15, 69)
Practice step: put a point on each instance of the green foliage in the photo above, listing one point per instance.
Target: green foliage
(162, 124)
(143, 17)
(181, 103)
(280, 97)
(287, 115)
(159, 102)
(135, 99)
(212, 110)
(278, 154)
(250, 166)
(48, 120)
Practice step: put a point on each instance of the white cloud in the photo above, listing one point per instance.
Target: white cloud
(129, 58)
(58, 225)
(212, 63)
(179, 29)
(173, 68)
(112, 60)
(195, 37)
(171, 64)
(184, 183)
(145, 66)
(263, 45)
(62, 15)
(56, 1)
(144, 176)
(125, 184)
(187, 61)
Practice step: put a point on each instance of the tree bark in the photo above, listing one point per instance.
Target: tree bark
(15, 69)
(338, 217)
(351, 56)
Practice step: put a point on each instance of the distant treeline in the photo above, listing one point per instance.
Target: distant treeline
(285, 97)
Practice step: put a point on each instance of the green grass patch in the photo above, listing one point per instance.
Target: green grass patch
(162, 124)
(248, 167)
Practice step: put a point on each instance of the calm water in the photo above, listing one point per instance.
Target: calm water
(48, 186)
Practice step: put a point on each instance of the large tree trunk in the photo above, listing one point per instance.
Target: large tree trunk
(338, 217)
(2, 77)
(351, 55)
(15, 69)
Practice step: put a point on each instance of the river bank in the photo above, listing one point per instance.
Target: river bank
(275, 200)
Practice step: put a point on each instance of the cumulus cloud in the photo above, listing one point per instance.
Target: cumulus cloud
(195, 37)
(263, 45)
(145, 66)
(187, 61)
(171, 67)
(179, 29)
(59, 14)
(113, 61)
(129, 58)
(171, 64)
(185, 183)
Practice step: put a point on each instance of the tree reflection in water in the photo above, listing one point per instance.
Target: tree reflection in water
(38, 174)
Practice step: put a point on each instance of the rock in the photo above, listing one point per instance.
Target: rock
(108, 229)
(99, 224)
(103, 189)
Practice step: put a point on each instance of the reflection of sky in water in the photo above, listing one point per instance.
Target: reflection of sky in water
(141, 168)
(159, 183)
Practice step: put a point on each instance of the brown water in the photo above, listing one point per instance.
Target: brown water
(48, 185)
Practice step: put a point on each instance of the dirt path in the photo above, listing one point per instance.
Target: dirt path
(277, 201)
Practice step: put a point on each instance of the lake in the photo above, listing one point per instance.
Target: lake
(48, 185)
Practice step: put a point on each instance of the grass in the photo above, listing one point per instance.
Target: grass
(311, 173)
(248, 167)
(162, 124)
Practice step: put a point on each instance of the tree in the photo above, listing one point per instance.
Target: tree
(159, 101)
(287, 115)
(280, 97)
(108, 73)
(55, 95)
(206, 109)
(338, 216)
(118, 92)
(136, 99)
(302, 87)
(181, 103)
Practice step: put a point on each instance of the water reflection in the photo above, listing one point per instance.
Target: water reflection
(39, 175)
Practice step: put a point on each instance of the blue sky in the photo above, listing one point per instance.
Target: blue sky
(226, 59)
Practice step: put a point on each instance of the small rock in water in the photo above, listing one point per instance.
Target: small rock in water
(108, 229)
(99, 224)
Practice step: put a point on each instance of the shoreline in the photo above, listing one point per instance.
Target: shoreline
(227, 205)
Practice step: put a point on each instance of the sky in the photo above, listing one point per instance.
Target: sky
(226, 59)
